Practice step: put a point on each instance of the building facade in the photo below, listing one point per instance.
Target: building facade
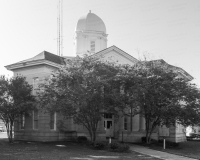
(90, 39)
(2, 126)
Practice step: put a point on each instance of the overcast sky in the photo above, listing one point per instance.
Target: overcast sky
(167, 29)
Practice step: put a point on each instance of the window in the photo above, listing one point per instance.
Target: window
(92, 46)
(35, 84)
(108, 116)
(53, 121)
(35, 119)
(22, 121)
(125, 123)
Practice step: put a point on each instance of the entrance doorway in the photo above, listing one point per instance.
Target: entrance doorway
(109, 125)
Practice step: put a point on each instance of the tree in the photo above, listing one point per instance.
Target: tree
(162, 97)
(127, 80)
(15, 99)
(190, 105)
(83, 90)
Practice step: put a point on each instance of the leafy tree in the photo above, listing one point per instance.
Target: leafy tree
(190, 105)
(83, 90)
(160, 96)
(127, 80)
(15, 100)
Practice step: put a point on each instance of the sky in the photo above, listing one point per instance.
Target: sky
(154, 29)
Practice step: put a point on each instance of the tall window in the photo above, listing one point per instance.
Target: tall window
(35, 119)
(35, 84)
(53, 121)
(125, 123)
(92, 46)
(22, 121)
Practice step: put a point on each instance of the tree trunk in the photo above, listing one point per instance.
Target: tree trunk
(9, 127)
(94, 137)
(150, 133)
(147, 131)
(11, 131)
(131, 118)
(90, 134)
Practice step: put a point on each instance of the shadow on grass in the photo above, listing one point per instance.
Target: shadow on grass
(188, 149)
(24, 150)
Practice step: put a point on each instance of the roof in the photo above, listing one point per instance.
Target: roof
(46, 56)
(120, 51)
(174, 68)
(42, 58)
(91, 22)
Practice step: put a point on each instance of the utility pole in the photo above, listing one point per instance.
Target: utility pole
(60, 28)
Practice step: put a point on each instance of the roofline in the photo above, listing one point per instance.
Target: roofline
(91, 31)
(179, 69)
(14, 66)
(125, 54)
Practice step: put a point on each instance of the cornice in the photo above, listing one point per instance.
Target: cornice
(31, 63)
(91, 32)
(114, 48)
(185, 74)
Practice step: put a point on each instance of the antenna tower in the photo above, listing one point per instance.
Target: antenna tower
(60, 28)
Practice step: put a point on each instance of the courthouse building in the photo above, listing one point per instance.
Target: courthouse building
(90, 38)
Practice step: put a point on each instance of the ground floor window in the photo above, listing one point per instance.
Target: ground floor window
(53, 120)
(35, 119)
(125, 123)
(22, 121)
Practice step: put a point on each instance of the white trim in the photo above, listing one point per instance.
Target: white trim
(32, 63)
(184, 75)
(122, 53)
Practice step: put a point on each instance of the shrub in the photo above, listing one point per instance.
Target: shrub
(81, 139)
(143, 139)
(124, 147)
(114, 145)
(100, 145)
(118, 147)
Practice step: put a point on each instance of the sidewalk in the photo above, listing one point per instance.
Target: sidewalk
(157, 154)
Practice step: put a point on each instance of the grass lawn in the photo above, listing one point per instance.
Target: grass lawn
(60, 151)
(189, 149)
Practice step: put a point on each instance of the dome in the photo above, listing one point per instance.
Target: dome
(91, 22)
